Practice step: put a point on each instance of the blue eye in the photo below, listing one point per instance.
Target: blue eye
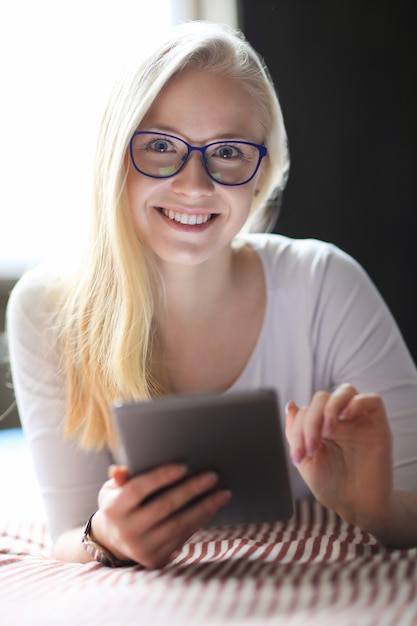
(160, 145)
(228, 152)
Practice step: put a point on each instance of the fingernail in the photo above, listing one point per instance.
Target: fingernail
(289, 406)
(296, 457)
(114, 468)
(178, 471)
(209, 479)
(224, 497)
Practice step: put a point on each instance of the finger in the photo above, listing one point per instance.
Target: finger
(363, 405)
(313, 425)
(306, 430)
(291, 410)
(368, 411)
(294, 414)
(119, 474)
(171, 501)
(295, 434)
(336, 406)
(120, 499)
(168, 537)
(144, 485)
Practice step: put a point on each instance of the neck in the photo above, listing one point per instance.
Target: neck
(192, 290)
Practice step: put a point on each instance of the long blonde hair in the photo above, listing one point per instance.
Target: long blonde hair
(106, 311)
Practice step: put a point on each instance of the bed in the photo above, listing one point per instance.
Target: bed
(313, 570)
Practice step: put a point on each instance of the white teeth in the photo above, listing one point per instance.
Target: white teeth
(184, 218)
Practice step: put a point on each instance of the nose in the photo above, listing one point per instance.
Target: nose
(193, 180)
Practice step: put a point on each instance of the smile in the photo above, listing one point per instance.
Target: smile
(185, 218)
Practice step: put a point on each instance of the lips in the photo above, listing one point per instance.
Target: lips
(187, 218)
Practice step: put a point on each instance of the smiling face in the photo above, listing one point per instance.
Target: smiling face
(189, 218)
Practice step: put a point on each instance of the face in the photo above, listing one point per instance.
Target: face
(189, 218)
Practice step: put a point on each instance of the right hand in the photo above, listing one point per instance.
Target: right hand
(342, 445)
(150, 532)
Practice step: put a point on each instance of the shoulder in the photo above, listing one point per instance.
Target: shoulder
(34, 296)
(300, 262)
(275, 247)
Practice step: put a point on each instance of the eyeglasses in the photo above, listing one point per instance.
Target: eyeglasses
(159, 155)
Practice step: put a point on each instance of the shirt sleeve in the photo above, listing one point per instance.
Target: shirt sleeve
(356, 340)
(69, 478)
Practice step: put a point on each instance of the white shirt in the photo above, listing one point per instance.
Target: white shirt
(325, 324)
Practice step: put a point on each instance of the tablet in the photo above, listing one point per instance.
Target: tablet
(236, 434)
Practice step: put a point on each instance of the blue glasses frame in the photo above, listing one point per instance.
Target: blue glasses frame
(202, 149)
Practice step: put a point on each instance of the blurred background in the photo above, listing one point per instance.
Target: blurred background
(345, 72)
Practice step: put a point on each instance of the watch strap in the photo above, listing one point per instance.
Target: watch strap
(98, 552)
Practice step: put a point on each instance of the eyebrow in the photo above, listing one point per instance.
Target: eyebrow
(161, 128)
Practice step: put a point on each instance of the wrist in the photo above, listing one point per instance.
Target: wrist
(392, 525)
(98, 551)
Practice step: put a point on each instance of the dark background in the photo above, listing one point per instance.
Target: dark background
(345, 72)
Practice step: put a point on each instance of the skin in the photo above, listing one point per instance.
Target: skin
(341, 442)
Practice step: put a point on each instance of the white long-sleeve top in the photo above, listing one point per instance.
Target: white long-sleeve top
(325, 324)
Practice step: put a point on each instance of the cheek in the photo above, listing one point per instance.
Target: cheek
(247, 194)
(256, 189)
(137, 189)
(140, 189)
(134, 201)
(133, 184)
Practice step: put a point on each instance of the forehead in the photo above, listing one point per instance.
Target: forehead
(202, 106)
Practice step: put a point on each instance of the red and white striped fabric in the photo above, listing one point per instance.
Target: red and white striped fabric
(313, 570)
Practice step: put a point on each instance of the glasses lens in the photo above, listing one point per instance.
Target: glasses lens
(232, 162)
(158, 155)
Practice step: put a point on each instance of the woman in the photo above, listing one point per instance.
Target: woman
(175, 295)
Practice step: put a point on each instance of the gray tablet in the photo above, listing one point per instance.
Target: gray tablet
(237, 434)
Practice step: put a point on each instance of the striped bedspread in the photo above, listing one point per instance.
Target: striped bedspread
(313, 570)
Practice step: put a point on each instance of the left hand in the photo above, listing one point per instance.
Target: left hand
(342, 446)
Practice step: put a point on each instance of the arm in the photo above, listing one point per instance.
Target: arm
(69, 479)
(356, 340)
(74, 483)
(342, 446)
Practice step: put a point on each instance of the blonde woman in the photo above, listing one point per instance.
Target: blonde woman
(175, 295)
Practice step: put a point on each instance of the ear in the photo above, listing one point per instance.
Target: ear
(260, 177)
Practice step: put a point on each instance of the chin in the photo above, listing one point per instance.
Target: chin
(186, 256)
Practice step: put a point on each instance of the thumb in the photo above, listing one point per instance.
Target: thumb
(119, 474)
